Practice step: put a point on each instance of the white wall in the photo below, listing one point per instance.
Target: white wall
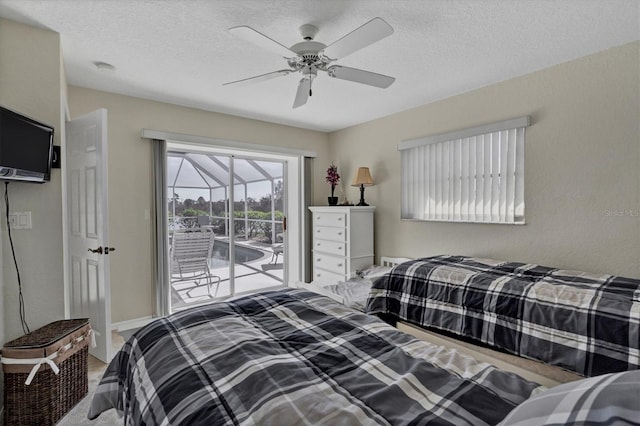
(582, 171)
(30, 83)
(130, 180)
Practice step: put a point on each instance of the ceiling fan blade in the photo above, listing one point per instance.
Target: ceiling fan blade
(374, 30)
(360, 76)
(259, 78)
(302, 95)
(261, 40)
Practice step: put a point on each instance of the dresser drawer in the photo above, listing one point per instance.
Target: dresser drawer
(338, 248)
(326, 277)
(328, 233)
(329, 263)
(330, 219)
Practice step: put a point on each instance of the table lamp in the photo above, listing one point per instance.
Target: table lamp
(362, 178)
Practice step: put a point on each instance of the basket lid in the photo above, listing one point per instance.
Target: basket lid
(47, 335)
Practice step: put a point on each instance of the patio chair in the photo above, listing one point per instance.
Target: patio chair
(277, 250)
(204, 221)
(190, 254)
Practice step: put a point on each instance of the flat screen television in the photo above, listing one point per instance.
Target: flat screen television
(26, 148)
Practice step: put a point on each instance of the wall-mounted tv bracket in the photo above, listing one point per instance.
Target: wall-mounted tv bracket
(55, 159)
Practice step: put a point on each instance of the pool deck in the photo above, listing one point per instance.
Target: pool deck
(259, 274)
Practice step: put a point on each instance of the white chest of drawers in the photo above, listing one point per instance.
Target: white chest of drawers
(342, 242)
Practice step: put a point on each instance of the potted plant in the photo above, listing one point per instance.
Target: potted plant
(333, 178)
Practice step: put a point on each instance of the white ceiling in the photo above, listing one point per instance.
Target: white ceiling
(181, 52)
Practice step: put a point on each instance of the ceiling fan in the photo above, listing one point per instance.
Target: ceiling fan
(309, 56)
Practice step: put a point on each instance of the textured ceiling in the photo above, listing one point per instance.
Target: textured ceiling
(181, 52)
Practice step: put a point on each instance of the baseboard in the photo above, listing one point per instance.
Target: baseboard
(130, 324)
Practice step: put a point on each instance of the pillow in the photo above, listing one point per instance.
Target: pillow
(374, 271)
(610, 399)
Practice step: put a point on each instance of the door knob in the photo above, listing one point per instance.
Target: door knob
(100, 250)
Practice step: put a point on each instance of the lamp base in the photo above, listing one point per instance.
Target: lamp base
(362, 203)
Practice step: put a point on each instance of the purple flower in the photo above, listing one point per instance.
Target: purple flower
(332, 175)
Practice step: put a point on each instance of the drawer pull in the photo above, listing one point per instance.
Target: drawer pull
(339, 233)
(317, 275)
(318, 244)
(340, 264)
(339, 219)
(318, 230)
(339, 248)
(318, 259)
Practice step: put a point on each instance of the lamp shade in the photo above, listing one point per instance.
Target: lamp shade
(362, 177)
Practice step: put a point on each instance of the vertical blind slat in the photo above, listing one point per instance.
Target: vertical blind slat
(511, 176)
(421, 177)
(432, 182)
(502, 192)
(445, 181)
(464, 179)
(439, 183)
(495, 177)
(417, 190)
(519, 191)
(405, 184)
(472, 180)
(479, 160)
(457, 174)
(486, 196)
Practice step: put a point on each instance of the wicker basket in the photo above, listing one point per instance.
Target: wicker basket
(49, 396)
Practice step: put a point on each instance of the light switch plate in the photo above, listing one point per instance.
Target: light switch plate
(20, 220)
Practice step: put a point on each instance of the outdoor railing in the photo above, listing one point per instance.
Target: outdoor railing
(270, 230)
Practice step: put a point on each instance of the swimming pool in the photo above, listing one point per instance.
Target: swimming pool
(243, 254)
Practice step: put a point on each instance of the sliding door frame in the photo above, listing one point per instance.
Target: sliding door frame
(297, 198)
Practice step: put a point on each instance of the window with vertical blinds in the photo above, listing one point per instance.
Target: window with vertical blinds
(471, 175)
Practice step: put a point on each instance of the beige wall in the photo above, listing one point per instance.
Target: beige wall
(582, 167)
(583, 151)
(130, 184)
(31, 83)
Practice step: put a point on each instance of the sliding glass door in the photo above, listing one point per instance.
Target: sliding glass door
(258, 224)
(242, 201)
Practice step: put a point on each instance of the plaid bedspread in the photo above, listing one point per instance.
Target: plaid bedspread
(293, 357)
(583, 322)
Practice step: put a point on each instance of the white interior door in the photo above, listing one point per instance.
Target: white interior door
(87, 230)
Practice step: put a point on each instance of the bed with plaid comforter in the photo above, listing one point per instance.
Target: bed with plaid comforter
(294, 357)
(583, 322)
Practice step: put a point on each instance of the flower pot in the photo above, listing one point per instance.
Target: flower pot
(333, 201)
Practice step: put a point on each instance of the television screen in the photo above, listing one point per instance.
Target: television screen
(25, 147)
